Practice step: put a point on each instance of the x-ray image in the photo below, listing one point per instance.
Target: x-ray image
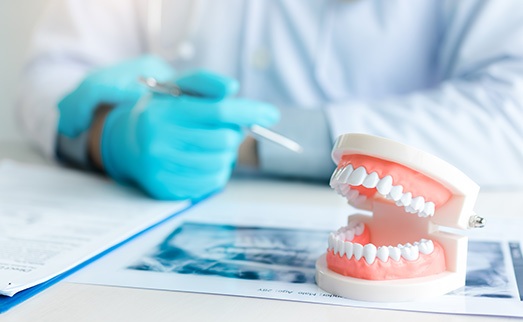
(289, 255)
(486, 271)
(254, 253)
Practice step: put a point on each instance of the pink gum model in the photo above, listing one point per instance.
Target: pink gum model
(398, 253)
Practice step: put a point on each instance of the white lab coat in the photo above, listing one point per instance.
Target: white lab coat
(444, 76)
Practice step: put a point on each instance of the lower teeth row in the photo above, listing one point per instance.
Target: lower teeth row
(370, 252)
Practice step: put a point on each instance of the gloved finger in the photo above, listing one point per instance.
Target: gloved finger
(199, 139)
(197, 112)
(246, 112)
(210, 85)
(197, 162)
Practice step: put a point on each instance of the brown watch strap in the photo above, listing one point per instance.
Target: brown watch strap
(95, 135)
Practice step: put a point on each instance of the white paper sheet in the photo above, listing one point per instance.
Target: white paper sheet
(268, 250)
(52, 219)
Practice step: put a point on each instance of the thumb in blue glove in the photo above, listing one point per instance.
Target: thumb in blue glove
(181, 147)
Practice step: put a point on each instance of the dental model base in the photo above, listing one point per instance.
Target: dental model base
(398, 252)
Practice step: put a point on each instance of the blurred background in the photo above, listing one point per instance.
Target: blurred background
(17, 18)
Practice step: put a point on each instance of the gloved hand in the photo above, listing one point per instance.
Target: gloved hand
(175, 148)
(181, 147)
(113, 85)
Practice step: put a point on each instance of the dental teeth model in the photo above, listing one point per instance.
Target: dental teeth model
(398, 253)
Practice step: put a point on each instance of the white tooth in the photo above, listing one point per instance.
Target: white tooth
(345, 173)
(396, 192)
(337, 188)
(428, 209)
(394, 253)
(417, 204)
(405, 199)
(334, 178)
(341, 247)
(344, 189)
(349, 247)
(335, 246)
(349, 235)
(358, 200)
(357, 250)
(369, 252)
(385, 185)
(352, 194)
(409, 252)
(371, 181)
(332, 240)
(356, 178)
(383, 253)
(426, 246)
(358, 230)
(409, 209)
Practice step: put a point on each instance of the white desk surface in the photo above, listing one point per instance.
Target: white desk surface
(78, 302)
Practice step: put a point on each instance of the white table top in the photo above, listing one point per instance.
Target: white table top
(78, 302)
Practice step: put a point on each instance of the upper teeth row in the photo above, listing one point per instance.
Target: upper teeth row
(410, 252)
(347, 176)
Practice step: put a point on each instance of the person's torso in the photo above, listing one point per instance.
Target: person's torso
(308, 53)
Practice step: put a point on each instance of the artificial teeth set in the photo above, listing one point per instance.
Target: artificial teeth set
(397, 250)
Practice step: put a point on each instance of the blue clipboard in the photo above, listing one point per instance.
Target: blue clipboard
(7, 302)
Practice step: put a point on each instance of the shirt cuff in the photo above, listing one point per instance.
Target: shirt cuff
(74, 151)
(308, 127)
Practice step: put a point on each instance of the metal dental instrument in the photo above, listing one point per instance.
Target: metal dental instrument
(167, 88)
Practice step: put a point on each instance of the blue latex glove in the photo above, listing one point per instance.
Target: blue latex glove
(113, 85)
(181, 147)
